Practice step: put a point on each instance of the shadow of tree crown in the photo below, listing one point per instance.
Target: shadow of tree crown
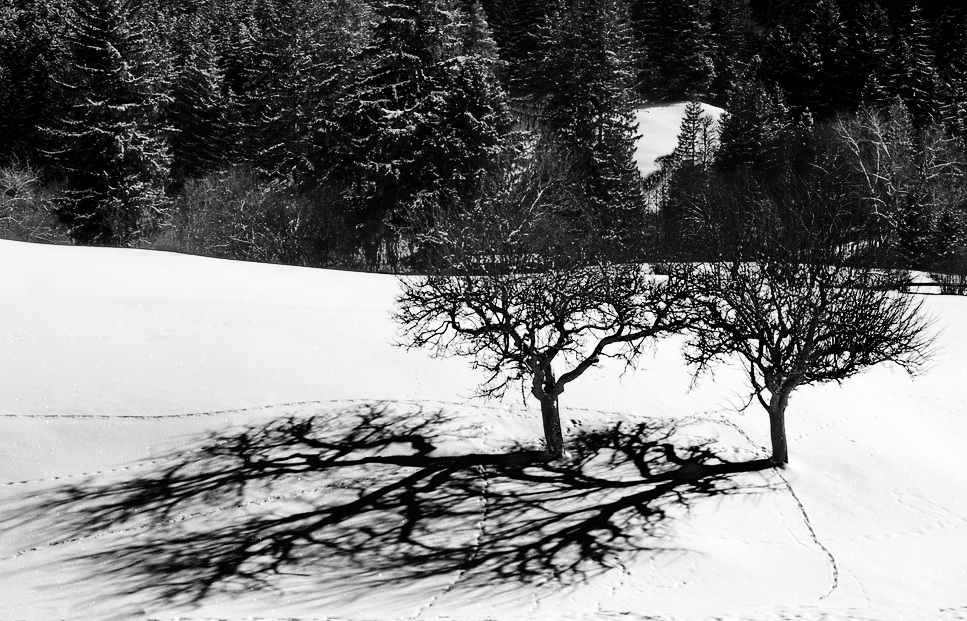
(367, 495)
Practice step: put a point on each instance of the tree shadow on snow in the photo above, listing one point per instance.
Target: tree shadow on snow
(370, 497)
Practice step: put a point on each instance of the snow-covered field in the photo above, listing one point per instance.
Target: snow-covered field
(174, 423)
(189, 438)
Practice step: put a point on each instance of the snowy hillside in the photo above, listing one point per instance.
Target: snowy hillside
(658, 127)
(191, 438)
(184, 437)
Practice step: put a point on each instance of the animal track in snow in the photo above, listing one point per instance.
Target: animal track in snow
(475, 547)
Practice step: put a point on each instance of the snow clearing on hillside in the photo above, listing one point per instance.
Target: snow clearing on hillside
(658, 127)
(191, 438)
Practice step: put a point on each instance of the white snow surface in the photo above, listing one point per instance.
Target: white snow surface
(120, 363)
(121, 366)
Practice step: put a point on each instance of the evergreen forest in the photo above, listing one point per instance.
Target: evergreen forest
(341, 133)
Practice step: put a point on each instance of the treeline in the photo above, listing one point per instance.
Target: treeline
(314, 132)
(334, 132)
(845, 125)
(871, 185)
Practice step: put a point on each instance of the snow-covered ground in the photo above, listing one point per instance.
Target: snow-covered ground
(190, 438)
(161, 414)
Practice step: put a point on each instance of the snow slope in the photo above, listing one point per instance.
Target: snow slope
(159, 411)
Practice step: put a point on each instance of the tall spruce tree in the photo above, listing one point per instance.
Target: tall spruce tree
(589, 109)
(30, 32)
(477, 112)
(757, 130)
(201, 110)
(731, 33)
(675, 38)
(234, 31)
(284, 88)
(808, 60)
(950, 42)
(687, 181)
(913, 71)
(868, 32)
(107, 136)
(424, 116)
(515, 30)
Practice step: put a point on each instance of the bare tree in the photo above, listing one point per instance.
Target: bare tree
(909, 181)
(521, 286)
(785, 301)
(27, 207)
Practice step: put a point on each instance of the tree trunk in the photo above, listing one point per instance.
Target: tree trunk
(551, 416)
(777, 427)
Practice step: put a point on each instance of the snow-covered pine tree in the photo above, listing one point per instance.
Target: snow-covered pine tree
(756, 129)
(233, 31)
(676, 43)
(107, 136)
(347, 34)
(396, 118)
(868, 31)
(808, 61)
(913, 72)
(515, 24)
(696, 139)
(477, 112)
(424, 117)
(201, 111)
(589, 109)
(730, 35)
(825, 52)
(281, 85)
(478, 39)
(955, 86)
(29, 50)
(686, 179)
(950, 42)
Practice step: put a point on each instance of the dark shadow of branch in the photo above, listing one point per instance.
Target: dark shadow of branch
(364, 497)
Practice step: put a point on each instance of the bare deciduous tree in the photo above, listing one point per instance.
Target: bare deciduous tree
(27, 207)
(522, 289)
(908, 180)
(796, 316)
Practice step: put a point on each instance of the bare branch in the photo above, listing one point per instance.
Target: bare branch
(521, 288)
